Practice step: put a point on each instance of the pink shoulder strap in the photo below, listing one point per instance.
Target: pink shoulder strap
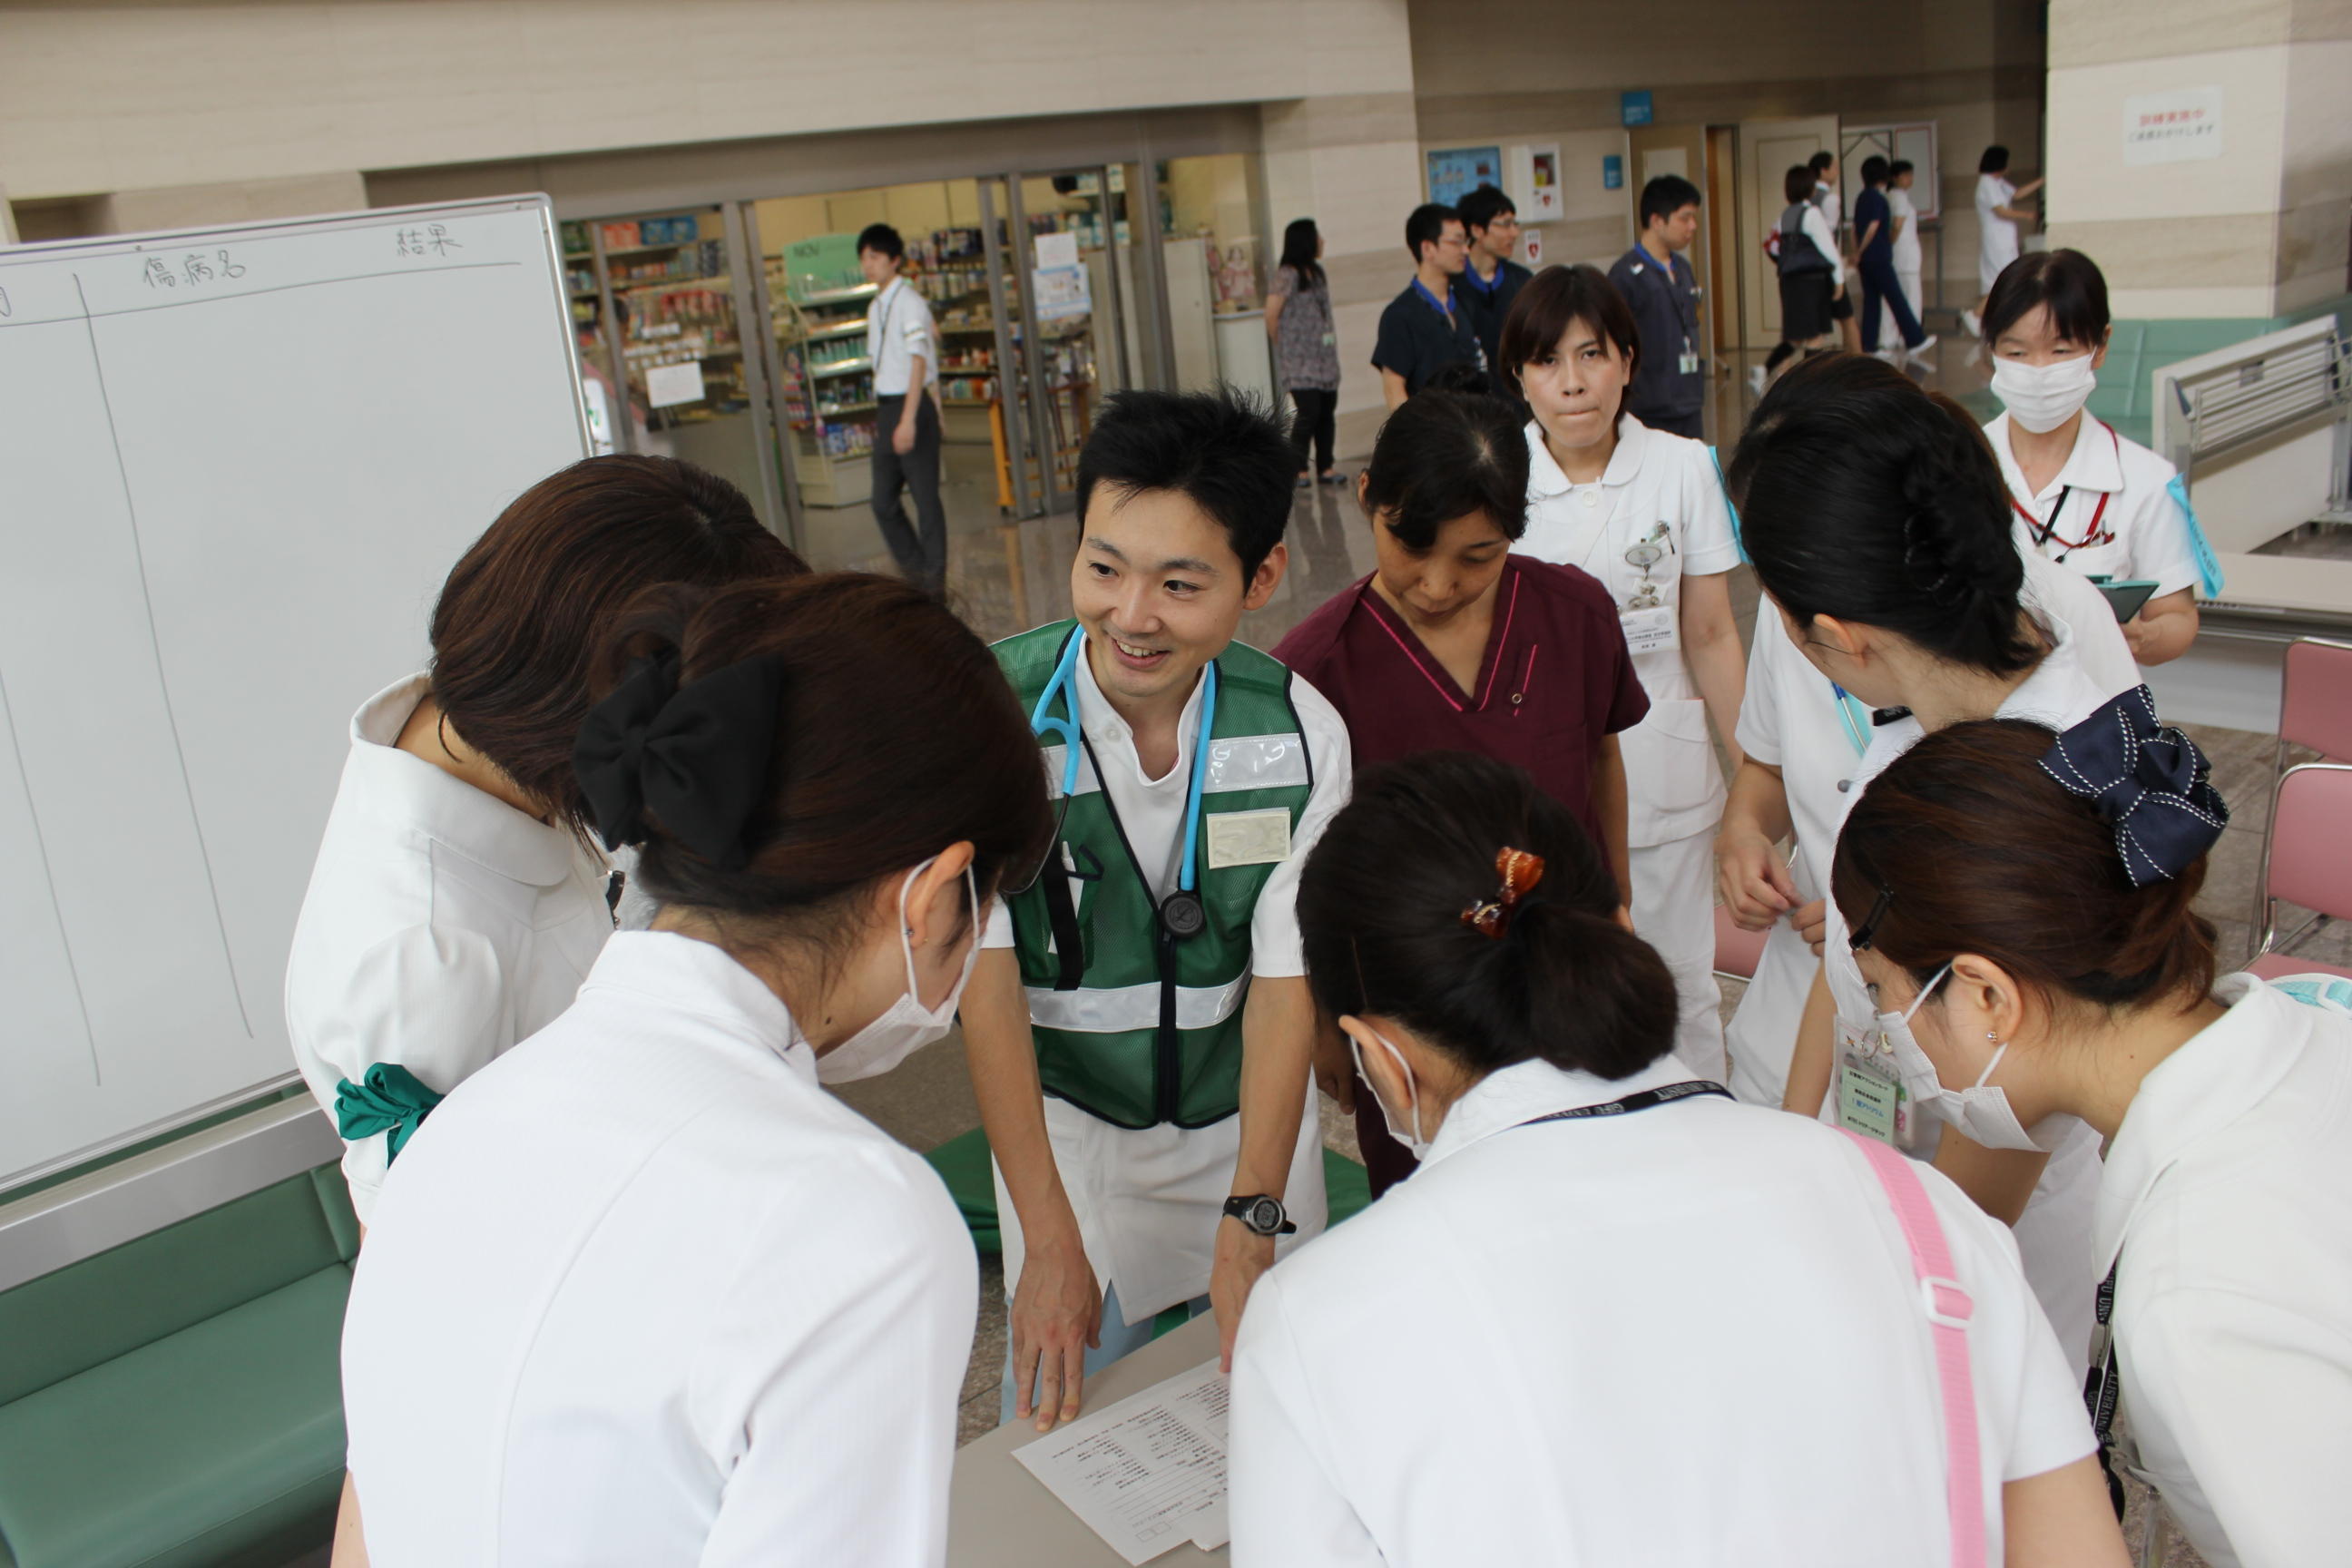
(1949, 1309)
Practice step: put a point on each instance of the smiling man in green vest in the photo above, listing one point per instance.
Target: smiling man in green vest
(1139, 1029)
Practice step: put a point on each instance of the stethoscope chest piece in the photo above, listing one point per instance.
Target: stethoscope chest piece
(1182, 914)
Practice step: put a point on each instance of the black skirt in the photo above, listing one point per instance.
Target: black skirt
(1805, 306)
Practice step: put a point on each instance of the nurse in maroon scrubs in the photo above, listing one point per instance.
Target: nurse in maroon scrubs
(1455, 644)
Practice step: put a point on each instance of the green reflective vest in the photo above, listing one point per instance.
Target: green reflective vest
(1145, 1028)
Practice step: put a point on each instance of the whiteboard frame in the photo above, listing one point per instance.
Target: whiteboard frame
(14, 1182)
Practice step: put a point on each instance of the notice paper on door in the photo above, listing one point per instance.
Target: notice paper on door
(1148, 1473)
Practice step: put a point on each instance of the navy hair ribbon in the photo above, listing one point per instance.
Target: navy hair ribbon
(694, 757)
(2145, 779)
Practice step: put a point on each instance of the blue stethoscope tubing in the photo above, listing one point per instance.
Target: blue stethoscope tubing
(1041, 723)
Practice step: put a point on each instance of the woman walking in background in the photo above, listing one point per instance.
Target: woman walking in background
(1305, 350)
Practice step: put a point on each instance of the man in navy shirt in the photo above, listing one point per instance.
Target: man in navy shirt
(1873, 228)
(1492, 279)
(1669, 390)
(1426, 327)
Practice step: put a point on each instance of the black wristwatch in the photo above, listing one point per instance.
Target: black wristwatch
(1265, 1216)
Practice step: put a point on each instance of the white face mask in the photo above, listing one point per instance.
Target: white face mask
(904, 1026)
(1979, 1111)
(2041, 397)
(1410, 1133)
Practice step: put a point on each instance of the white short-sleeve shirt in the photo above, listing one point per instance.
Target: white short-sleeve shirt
(643, 1293)
(441, 926)
(1656, 515)
(1996, 236)
(898, 327)
(1906, 243)
(2229, 1196)
(1689, 1334)
(1148, 1199)
(2109, 511)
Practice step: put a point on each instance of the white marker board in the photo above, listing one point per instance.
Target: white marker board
(235, 466)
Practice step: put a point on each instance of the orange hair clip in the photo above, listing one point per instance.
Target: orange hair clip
(1520, 871)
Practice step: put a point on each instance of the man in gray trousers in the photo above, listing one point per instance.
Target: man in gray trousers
(900, 343)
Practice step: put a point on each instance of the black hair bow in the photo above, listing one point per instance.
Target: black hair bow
(2147, 779)
(696, 757)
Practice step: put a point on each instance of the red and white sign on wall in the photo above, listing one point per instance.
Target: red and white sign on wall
(2173, 127)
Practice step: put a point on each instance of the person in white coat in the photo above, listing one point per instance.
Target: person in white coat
(641, 1291)
(457, 903)
(2080, 493)
(1643, 512)
(2039, 891)
(1565, 1252)
(1876, 521)
(1998, 216)
(1905, 217)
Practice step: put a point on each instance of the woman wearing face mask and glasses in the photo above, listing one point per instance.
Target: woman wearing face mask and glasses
(2024, 903)
(2079, 492)
(641, 1291)
(1876, 521)
(1597, 1246)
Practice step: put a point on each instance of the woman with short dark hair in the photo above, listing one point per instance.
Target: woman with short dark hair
(2083, 496)
(1456, 642)
(2026, 900)
(1643, 512)
(1616, 1317)
(643, 1291)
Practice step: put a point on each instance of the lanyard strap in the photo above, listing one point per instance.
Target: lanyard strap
(1641, 1099)
(1948, 1311)
(2045, 532)
(2103, 1387)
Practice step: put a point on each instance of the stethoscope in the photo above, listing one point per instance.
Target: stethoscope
(1182, 912)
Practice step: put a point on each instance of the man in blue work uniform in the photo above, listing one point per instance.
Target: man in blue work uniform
(1427, 327)
(1492, 279)
(1669, 390)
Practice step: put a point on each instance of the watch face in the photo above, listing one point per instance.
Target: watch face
(1265, 1216)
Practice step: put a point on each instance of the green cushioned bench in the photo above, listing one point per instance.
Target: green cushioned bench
(177, 1402)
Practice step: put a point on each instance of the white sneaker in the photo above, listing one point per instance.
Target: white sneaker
(1888, 356)
(1756, 379)
(1917, 353)
(1973, 326)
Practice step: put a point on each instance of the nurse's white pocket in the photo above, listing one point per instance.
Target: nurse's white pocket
(1669, 770)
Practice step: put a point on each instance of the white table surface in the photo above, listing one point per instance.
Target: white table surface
(1001, 1516)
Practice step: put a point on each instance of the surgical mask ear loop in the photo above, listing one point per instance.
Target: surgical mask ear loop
(2000, 1050)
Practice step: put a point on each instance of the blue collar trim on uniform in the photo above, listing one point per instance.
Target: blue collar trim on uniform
(1446, 304)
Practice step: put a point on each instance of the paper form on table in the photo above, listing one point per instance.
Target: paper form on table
(1148, 1473)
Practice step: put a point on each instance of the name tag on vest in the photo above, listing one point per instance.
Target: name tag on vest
(1248, 838)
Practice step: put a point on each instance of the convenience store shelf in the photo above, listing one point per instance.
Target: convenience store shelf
(839, 367)
(836, 296)
(845, 330)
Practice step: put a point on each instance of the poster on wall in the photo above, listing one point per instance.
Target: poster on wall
(1535, 182)
(1063, 292)
(2174, 127)
(1455, 171)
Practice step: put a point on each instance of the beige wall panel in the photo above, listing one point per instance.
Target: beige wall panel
(2162, 253)
(101, 97)
(2104, 32)
(2090, 182)
(246, 201)
(1358, 327)
(602, 183)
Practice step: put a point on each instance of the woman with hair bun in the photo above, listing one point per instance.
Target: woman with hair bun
(1457, 642)
(2023, 903)
(642, 1291)
(1876, 521)
(1598, 1246)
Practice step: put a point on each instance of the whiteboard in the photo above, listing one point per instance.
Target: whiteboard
(235, 465)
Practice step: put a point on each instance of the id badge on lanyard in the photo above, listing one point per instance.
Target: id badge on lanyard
(1870, 1097)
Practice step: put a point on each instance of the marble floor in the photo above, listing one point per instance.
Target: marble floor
(1005, 577)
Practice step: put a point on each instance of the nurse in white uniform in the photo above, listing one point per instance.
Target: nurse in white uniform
(457, 903)
(2043, 887)
(1998, 216)
(2080, 494)
(1643, 512)
(644, 1292)
(1876, 521)
(1597, 1246)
